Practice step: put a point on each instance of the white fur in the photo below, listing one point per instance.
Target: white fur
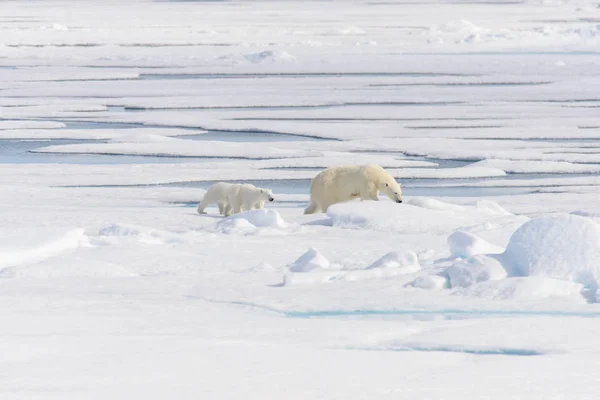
(249, 197)
(347, 182)
(234, 198)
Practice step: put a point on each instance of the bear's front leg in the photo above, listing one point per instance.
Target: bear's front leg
(373, 196)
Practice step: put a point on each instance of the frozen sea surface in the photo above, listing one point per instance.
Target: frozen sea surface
(115, 117)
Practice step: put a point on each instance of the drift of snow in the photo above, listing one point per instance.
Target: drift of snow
(431, 282)
(556, 246)
(309, 261)
(47, 248)
(386, 216)
(249, 222)
(527, 289)
(464, 244)
(408, 261)
(478, 268)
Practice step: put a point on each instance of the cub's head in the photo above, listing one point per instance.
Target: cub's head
(392, 189)
(266, 194)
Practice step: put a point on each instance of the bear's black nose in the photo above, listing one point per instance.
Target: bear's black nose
(271, 199)
(398, 201)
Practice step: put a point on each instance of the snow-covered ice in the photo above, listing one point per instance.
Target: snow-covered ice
(115, 117)
(557, 246)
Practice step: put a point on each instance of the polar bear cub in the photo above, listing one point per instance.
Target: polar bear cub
(343, 183)
(234, 197)
(250, 197)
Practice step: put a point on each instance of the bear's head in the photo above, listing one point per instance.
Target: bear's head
(266, 194)
(391, 189)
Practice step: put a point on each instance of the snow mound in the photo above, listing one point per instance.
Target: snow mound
(310, 268)
(262, 218)
(48, 249)
(479, 268)
(313, 267)
(310, 261)
(431, 282)
(526, 289)
(405, 218)
(251, 221)
(463, 244)
(405, 260)
(559, 246)
(270, 56)
(490, 207)
(390, 265)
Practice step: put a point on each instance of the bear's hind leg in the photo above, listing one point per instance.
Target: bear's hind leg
(236, 206)
(202, 205)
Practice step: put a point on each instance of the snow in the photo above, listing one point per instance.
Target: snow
(253, 222)
(431, 282)
(115, 117)
(464, 245)
(385, 216)
(407, 261)
(309, 261)
(557, 246)
(478, 268)
(528, 289)
(555, 254)
(315, 268)
(49, 248)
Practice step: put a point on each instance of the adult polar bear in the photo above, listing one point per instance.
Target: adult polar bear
(343, 183)
(234, 197)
